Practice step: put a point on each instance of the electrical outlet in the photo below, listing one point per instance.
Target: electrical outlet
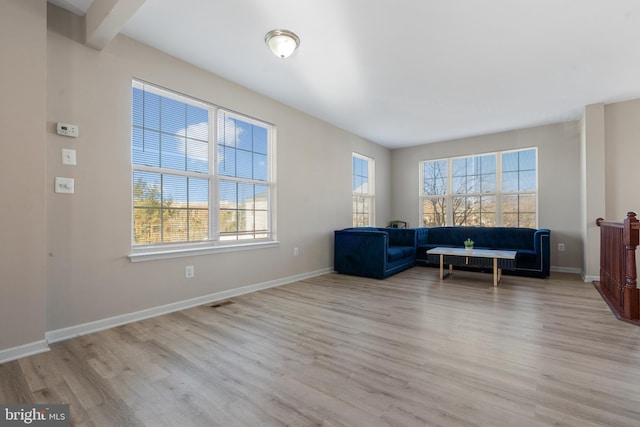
(189, 271)
(296, 252)
(560, 247)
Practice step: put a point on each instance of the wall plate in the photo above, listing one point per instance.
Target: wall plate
(68, 157)
(64, 185)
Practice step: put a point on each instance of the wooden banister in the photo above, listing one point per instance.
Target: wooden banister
(618, 273)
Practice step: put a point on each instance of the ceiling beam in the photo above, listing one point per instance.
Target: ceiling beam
(105, 19)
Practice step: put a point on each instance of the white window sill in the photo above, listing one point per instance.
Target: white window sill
(156, 253)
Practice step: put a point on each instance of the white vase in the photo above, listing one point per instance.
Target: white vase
(468, 248)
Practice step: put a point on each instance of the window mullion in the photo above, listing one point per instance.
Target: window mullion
(499, 192)
(161, 208)
(214, 202)
(166, 171)
(449, 197)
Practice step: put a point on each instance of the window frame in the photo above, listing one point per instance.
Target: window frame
(268, 183)
(476, 161)
(369, 196)
(499, 193)
(533, 192)
(153, 251)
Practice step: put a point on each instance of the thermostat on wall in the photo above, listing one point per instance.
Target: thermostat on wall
(68, 130)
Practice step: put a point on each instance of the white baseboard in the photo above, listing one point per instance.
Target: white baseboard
(110, 322)
(23, 351)
(572, 270)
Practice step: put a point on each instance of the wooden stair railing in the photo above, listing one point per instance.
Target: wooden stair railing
(618, 275)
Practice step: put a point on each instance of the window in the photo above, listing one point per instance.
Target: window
(435, 189)
(243, 186)
(519, 186)
(474, 190)
(362, 187)
(185, 191)
(497, 189)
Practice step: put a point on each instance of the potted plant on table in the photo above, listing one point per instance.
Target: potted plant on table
(468, 244)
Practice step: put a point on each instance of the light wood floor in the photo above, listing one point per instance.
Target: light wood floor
(346, 351)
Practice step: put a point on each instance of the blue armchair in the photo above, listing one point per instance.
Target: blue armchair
(374, 252)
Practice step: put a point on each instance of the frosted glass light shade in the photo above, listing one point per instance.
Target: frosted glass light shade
(282, 42)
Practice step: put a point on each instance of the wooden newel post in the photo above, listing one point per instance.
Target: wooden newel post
(630, 236)
(618, 283)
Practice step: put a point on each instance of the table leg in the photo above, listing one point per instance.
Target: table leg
(495, 272)
(441, 267)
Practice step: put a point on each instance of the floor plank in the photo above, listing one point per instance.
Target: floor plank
(337, 350)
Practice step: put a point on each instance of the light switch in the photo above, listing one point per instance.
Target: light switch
(68, 156)
(64, 185)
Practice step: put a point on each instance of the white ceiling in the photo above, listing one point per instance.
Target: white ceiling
(408, 72)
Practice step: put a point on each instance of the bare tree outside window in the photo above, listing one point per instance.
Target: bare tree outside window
(434, 187)
(467, 190)
(474, 180)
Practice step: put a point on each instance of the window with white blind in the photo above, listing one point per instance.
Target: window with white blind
(362, 187)
(192, 185)
(496, 189)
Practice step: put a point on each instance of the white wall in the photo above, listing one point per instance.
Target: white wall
(609, 154)
(52, 77)
(592, 186)
(22, 173)
(622, 154)
(90, 277)
(558, 180)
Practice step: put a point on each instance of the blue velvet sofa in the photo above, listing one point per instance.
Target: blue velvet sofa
(374, 252)
(532, 246)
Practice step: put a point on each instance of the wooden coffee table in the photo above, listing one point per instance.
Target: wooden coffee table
(481, 258)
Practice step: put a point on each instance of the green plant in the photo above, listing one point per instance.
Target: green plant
(468, 243)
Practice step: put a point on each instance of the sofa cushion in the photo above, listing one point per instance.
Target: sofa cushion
(483, 237)
(395, 253)
(527, 257)
(408, 250)
(515, 238)
(531, 245)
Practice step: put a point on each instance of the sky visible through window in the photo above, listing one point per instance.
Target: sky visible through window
(170, 134)
(362, 197)
(242, 149)
(360, 169)
(477, 174)
(178, 193)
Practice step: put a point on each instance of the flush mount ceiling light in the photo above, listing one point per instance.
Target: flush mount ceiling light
(282, 42)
